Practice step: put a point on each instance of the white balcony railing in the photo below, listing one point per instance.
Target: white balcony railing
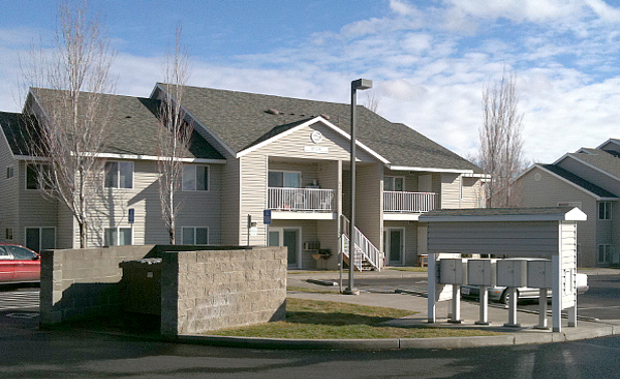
(409, 202)
(301, 199)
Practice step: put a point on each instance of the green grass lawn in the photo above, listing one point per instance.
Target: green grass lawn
(311, 319)
(410, 269)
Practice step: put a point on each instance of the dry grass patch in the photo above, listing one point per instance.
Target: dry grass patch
(311, 319)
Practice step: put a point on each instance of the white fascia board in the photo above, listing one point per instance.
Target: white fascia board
(429, 169)
(155, 158)
(279, 215)
(611, 140)
(401, 216)
(197, 121)
(509, 218)
(481, 176)
(594, 168)
(308, 123)
(596, 197)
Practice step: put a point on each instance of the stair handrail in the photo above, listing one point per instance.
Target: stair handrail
(362, 245)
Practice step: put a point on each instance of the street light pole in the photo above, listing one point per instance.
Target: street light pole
(359, 84)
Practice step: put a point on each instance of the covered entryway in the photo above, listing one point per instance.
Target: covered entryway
(291, 238)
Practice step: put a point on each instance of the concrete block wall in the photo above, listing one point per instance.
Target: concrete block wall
(215, 289)
(81, 283)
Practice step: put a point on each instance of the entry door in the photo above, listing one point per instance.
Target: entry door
(291, 238)
(394, 246)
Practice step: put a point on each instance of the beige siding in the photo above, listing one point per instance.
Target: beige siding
(231, 203)
(450, 191)
(35, 210)
(253, 172)
(293, 146)
(369, 202)
(9, 193)
(549, 191)
(67, 232)
(473, 195)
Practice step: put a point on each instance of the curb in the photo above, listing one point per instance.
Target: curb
(395, 343)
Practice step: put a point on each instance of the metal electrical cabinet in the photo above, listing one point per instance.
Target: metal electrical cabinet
(512, 273)
(540, 274)
(481, 272)
(452, 271)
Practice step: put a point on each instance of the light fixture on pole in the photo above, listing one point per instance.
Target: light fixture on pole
(359, 84)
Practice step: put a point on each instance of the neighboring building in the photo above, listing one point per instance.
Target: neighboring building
(588, 179)
(252, 153)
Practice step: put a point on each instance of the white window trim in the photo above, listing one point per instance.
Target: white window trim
(118, 234)
(393, 177)
(208, 189)
(40, 234)
(608, 205)
(286, 172)
(118, 176)
(196, 227)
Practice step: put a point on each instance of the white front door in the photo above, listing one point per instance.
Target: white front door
(394, 246)
(291, 238)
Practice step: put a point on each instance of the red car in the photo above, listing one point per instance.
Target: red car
(19, 264)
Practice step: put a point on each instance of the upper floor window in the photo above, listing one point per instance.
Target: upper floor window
(36, 176)
(284, 179)
(119, 174)
(604, 210)
(195, 178)
(393, 183)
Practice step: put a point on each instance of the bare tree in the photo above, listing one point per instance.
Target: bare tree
(501, 144)
(68, 130)
(174, 135)
(372, 101)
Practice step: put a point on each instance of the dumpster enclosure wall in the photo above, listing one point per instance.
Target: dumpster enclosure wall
(82, 283)
(215, 289)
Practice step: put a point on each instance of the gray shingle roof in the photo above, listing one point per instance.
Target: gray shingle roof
(579, 181)
(241, 120)
(14, 126)
(132, 125)
(602, 160)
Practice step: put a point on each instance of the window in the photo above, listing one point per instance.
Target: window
(10, 172)
(195, 235)
(117, 236)
(604, 210)
(33, 179)
(393, 183)
(284, 179)
(195, 178)
(41, 238)
(119, 174)
(604, 253)
(9, 233)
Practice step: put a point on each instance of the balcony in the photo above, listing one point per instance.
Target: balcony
(409, 202)
(301, 199)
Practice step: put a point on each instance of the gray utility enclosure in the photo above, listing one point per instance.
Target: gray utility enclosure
(202, 288)
(549, 233)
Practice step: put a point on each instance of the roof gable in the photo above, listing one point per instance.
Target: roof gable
(241, 120)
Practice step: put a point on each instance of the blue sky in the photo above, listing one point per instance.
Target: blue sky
(429, 60)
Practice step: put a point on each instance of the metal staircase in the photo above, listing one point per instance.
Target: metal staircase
(367, 256)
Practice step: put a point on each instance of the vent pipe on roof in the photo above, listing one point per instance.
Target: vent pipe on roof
(273, 111)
